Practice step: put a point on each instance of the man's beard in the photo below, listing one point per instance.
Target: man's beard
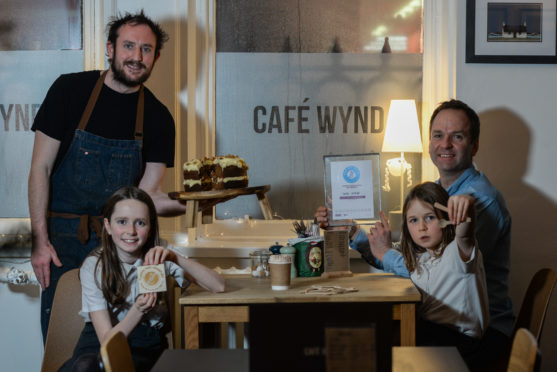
(120, 74)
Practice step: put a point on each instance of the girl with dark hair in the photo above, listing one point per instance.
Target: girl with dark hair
(446, 265)
(109, 281)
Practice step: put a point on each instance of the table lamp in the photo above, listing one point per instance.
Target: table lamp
(402, 134)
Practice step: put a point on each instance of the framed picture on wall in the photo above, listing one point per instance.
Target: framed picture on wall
(507, 31)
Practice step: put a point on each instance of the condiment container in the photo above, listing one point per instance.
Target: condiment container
(275, 249)
(260, 263)
(314, 230)
(291, 251)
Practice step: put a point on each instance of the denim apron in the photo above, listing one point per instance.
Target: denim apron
(91, 171)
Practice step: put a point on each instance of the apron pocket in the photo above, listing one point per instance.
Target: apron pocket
(87, 167)
(123, 170)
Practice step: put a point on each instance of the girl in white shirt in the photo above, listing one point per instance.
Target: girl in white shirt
(110, 297)
(446, 266)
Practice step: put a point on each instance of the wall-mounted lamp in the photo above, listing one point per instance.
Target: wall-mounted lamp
(402, 134)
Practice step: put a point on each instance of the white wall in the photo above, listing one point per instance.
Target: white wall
(516, 104)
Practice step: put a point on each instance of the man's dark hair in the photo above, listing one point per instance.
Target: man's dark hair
(136, 19)
(455, 104)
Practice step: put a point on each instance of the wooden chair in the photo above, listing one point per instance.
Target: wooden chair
(173, 292)
(65, 323)
(535, 303)
(532, 311)
(524, 353)
(116, 354)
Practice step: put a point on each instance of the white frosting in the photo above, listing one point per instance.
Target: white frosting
(193, 165)
(192, 182)
(235, 161)
(228, 179)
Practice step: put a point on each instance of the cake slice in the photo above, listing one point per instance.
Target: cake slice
(196, 176)
(229, 172)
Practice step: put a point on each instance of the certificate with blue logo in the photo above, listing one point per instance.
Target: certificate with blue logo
(352, 188)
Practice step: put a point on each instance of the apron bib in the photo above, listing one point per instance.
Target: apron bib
(93, 168)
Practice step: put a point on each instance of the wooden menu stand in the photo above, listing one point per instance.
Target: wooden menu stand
(192, 200)
(337, 257)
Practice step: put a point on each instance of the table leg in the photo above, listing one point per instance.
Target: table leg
(176, 313)
(191, 213)
(407, 325)
(207, 216)
(191, 327)
(265, 205)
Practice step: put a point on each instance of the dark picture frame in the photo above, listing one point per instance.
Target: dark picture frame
(522, 31)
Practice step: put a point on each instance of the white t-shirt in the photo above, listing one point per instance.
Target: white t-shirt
(93, 300)
(454, 292)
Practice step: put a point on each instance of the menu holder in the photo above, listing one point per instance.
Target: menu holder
(352, 188)
(337, 257)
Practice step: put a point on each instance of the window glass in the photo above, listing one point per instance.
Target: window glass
(39, 40)
(40, 25)
(297, 80)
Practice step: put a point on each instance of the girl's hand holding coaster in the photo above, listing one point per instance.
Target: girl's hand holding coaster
(158, 255)
(145, 302)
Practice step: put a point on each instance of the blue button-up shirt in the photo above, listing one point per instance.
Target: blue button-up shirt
(493, 233)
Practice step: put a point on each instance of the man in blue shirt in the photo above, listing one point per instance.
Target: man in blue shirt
(454, 140)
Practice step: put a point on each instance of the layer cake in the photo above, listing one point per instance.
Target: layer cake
(217, 173)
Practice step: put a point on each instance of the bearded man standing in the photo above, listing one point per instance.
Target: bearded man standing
(95, 132)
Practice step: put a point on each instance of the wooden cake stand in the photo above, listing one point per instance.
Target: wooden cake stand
(192, 200)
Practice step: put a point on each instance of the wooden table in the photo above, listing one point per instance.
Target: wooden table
(203, 360)
(192, 200)
(405, 359)
(427, 359)
(200, 306)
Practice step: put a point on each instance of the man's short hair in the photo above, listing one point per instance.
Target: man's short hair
(455, 104)
(136, 19)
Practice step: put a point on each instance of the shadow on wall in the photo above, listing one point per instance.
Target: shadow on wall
(505, 141)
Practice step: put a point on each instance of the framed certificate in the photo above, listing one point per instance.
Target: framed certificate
(352, 188)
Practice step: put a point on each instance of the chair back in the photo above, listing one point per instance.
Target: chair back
(524, 353)
(65, 324)
(534, 306)
(173, 292)
(116, 354)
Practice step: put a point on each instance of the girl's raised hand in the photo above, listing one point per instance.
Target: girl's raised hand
(379, 237)
(321, 214)
(460, 207)
(158, 255)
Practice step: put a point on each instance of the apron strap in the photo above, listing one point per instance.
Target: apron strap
(138, 134)
(139, 115)
(91, 103)
(86, 223)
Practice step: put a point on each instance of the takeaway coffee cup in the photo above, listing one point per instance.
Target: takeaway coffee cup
(280, 271)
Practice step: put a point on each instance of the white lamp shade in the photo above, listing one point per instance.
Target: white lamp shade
(402, 133)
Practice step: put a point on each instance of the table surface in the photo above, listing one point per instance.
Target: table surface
(427, 359)
(203, 360)
(243, 290)
(405, 359)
